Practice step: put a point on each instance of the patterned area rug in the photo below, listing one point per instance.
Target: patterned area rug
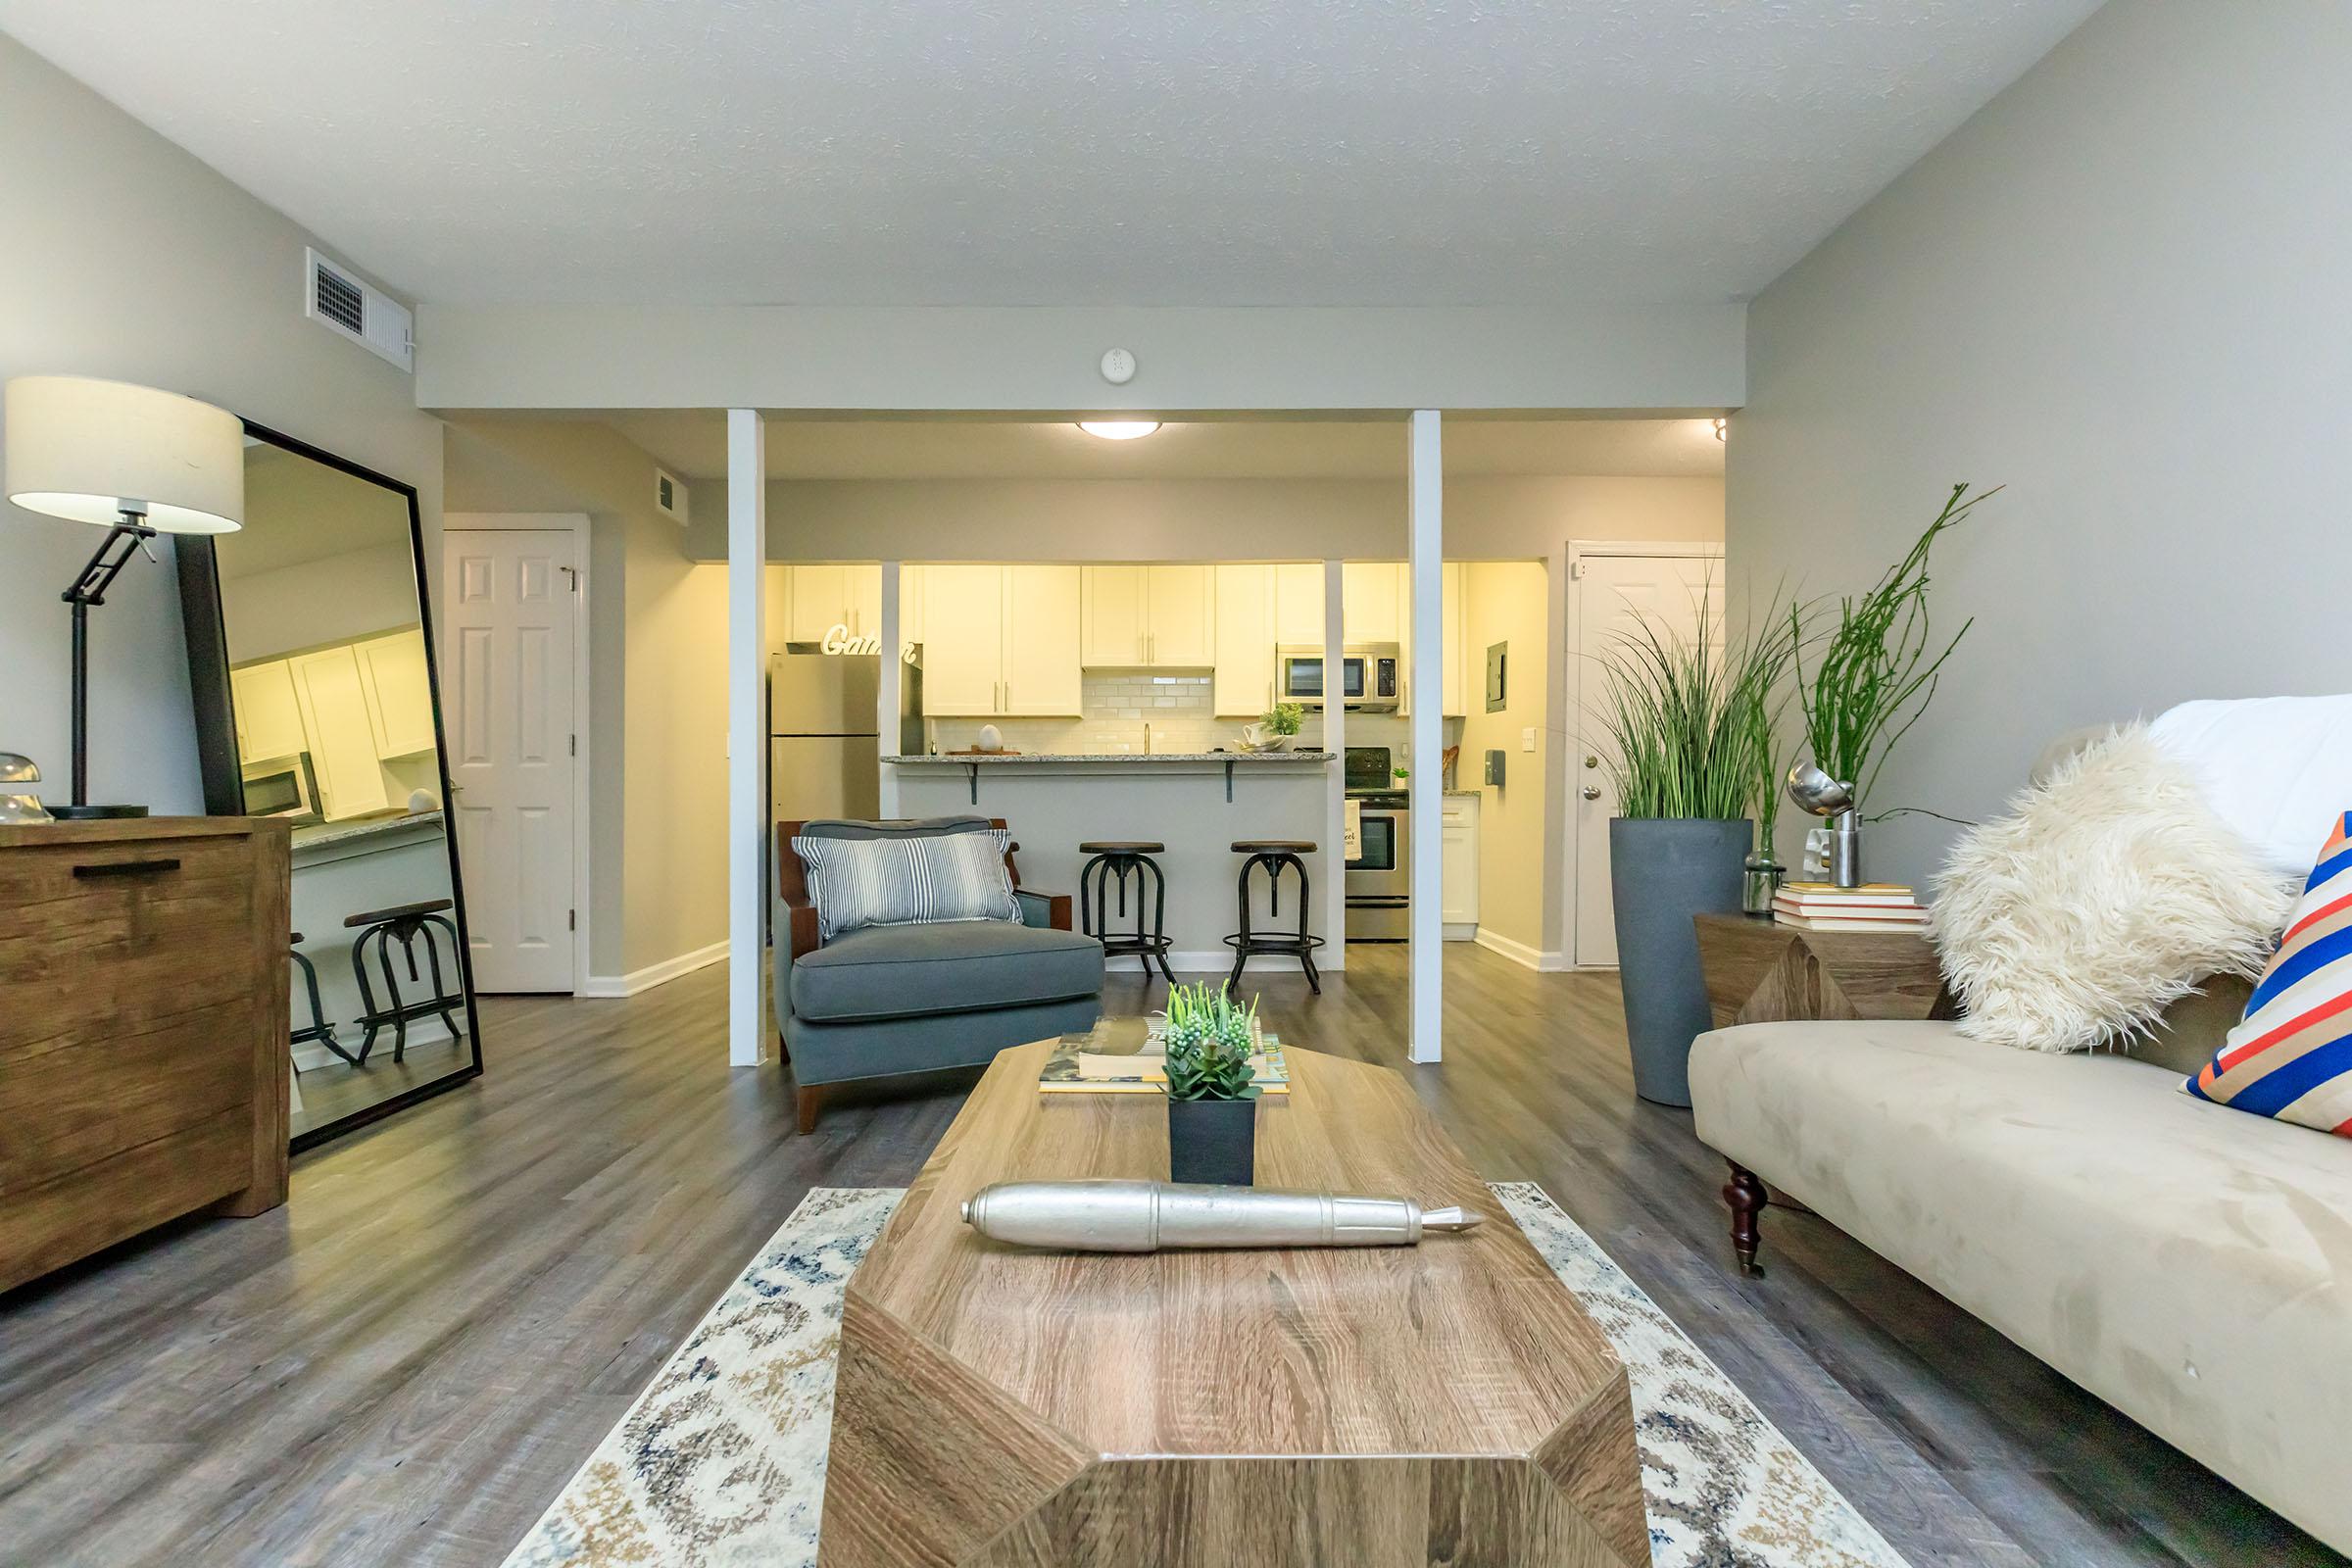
(722, 1462)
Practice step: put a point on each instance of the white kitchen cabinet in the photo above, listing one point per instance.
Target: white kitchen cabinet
(1298, 604)
(1376, 601)
(1115, 617)
(1001, 641)
(1182, 621)
(1149, 616)
(398, 691)
(910, 603)
(332, 696)
(269, 717)
(1043, 669)
(1245, 641)
(963, 641)
(822, 597)
(1458, 860)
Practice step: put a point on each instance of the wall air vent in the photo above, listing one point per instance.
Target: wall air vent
(669, 496)
(333, 296)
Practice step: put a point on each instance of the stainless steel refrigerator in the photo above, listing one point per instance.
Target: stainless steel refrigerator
(822, 717)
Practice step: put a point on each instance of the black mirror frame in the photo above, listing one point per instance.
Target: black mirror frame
(207, 634)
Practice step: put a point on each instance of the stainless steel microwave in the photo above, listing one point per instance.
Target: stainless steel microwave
(283, 786)
(1370, 678)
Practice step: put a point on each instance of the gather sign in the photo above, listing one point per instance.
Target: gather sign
(838, 640)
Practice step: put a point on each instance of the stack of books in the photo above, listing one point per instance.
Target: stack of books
(1883, 907)
(1124, 1056)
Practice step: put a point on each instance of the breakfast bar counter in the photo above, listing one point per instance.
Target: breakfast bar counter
(1196, 803)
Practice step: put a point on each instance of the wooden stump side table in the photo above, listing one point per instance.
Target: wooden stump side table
(1761, 971)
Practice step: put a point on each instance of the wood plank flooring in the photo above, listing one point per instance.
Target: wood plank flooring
(406, 1365)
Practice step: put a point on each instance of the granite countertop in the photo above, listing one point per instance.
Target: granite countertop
(329, 833)
(1013, 759)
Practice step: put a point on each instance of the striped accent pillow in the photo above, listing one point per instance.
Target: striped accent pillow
(2291, 1057)
(908, 881)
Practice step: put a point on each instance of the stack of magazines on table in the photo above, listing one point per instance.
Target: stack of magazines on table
(1125, 1056)
(1880, 907)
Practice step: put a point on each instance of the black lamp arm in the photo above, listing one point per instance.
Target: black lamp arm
(113, 554)
(109, 559)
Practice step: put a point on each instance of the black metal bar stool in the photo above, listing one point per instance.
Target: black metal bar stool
(407, 924)
(1276, 856)
(1115, 861)
(317, 1028)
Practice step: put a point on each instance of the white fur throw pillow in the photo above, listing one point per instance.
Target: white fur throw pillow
(2108, 892)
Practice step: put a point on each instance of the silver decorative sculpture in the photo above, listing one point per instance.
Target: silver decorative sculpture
(15, 806)
(1118, 1216)
(1816, 792)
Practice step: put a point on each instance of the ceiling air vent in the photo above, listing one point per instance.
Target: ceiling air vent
(335, 297)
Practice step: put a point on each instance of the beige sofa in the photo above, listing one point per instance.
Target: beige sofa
(2189, 1264)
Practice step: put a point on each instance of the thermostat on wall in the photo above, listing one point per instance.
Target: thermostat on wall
(1118, 366)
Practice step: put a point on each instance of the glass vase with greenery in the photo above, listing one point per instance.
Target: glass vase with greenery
(1879, 665)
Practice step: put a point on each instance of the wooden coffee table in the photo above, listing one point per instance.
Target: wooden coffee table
(1372, 1407)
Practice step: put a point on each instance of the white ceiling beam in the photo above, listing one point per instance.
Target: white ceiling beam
(1048, 359)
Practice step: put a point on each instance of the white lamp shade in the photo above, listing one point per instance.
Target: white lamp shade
(88, 450)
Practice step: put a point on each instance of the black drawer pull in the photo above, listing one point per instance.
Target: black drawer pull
(127, 868)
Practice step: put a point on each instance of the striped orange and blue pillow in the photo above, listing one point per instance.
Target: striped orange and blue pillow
(2291, 1057)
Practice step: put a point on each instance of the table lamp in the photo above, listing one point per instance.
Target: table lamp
(133, 461)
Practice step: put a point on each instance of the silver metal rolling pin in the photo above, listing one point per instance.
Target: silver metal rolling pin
(1108, 1216)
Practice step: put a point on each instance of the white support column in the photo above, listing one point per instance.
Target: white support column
(747, 742)
(1333, 876)
(886, 696)
(1426, 789)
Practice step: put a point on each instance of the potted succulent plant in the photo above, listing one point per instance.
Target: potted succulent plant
(1212, 1091)
(1274, 728)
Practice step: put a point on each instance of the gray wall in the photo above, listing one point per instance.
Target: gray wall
(123, 257)
(2120, 290)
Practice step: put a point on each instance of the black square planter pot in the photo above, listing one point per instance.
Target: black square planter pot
(1212, 1142)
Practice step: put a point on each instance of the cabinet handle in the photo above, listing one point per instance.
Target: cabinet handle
(127, 868)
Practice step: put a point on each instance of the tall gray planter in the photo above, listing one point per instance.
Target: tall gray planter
(1662, 871)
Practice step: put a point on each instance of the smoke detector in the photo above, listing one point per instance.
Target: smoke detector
(334, 296)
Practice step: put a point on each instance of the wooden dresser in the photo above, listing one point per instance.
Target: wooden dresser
(143, 1007)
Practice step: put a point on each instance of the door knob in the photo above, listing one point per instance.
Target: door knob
(1591, 792)
(1591, 760)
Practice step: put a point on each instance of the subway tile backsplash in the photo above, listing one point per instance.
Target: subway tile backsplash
(1179, 708)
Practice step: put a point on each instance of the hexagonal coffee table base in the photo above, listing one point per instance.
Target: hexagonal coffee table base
(1373, 1408)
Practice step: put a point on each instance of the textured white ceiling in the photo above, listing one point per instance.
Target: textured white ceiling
(1217, 152)
(694, 444)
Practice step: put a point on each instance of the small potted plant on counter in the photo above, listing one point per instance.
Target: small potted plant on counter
(1212, 1091)
(1274, 728)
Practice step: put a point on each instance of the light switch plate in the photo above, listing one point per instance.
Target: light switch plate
(1527, 739)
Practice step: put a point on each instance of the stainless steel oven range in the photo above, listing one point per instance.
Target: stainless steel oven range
(1379, 876)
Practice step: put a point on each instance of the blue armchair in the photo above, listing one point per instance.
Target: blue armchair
(886, 1001)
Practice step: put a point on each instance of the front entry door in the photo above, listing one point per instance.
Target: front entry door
(1616, 595)
(508, 691)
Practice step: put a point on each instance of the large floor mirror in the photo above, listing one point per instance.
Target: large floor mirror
(310, 658)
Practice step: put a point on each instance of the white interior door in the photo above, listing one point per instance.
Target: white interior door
(1615, 596)
(507, 693)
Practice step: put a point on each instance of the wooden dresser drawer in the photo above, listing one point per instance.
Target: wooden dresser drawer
(70, 1100)
(74, 1214)
(96, 938)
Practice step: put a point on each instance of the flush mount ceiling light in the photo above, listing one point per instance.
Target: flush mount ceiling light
(1119, 430)
(1719, 425)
